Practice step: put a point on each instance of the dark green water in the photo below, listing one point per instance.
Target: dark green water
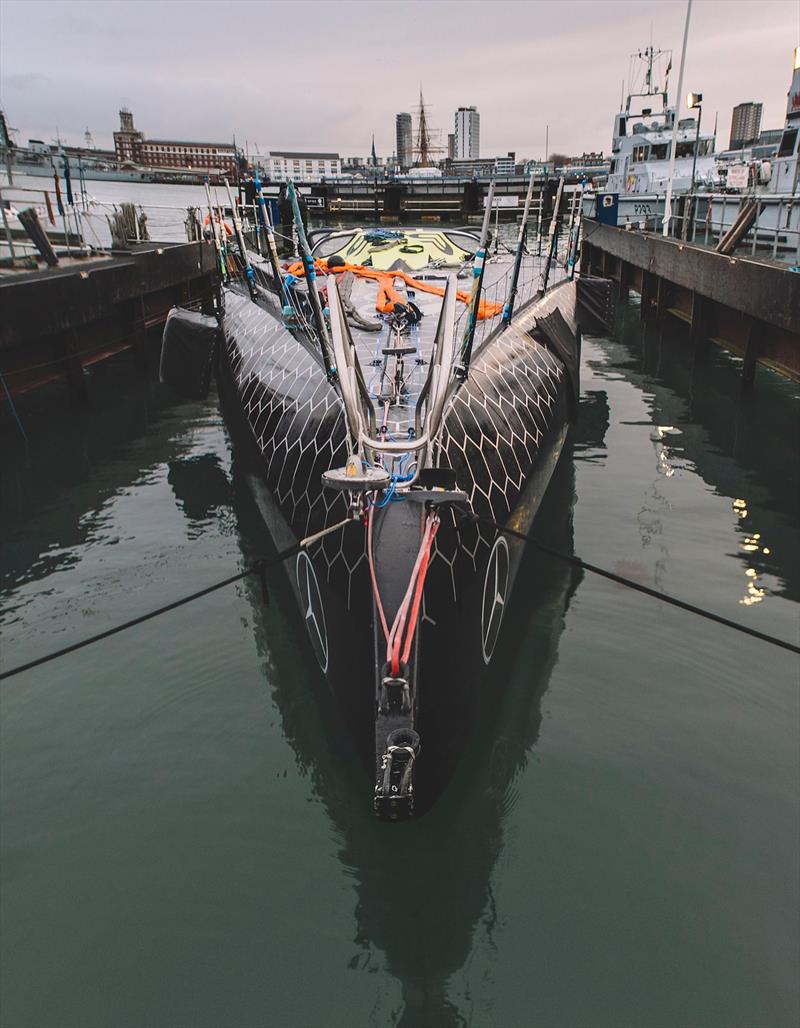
(186, 837)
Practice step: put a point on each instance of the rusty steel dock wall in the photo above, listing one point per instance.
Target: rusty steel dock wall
(748, 306)
(56, 323)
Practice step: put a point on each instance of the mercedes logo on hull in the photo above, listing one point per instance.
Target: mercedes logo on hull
(313, 611)
(495, 586)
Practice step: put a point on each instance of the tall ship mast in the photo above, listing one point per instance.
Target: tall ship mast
(424, 147)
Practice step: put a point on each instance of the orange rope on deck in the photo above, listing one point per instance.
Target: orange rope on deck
(387, 295)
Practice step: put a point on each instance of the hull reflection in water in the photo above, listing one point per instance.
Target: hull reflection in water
(405, 879)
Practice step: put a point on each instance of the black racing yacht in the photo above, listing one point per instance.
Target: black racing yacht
(400, 425)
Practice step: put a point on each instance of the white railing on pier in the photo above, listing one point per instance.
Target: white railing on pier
(84, 227)
(704, 218)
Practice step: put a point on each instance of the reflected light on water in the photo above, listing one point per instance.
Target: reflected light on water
(754, 594)
(664, 465)
(751, 543)
(659, 433)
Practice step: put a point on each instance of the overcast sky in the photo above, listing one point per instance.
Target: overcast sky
(325, 75)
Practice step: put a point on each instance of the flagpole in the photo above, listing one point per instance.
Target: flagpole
(668, 199)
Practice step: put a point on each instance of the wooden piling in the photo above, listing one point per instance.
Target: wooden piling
(749, 307)
(66, 348)
(697, 325)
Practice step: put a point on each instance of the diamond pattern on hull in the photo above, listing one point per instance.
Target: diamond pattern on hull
(297, 419)
(493, 428)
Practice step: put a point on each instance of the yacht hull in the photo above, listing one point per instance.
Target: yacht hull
(502, 433)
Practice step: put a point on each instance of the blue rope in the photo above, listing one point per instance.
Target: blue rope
(391, 493)
(387, 496)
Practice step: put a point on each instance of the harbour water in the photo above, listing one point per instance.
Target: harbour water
(187, 837)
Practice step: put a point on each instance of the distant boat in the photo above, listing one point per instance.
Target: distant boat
(772, 183)
(39, 164)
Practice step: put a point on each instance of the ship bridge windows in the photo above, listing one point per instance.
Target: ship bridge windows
(640, 153)
(659, 152)
(685, 149)
(788, 140)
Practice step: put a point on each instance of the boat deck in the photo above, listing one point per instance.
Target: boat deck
(394, 383)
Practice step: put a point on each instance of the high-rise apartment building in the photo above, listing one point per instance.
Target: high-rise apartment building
(745, 124)
(468, 134)
(405, 142)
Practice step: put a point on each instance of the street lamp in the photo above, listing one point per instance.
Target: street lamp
(694, 101)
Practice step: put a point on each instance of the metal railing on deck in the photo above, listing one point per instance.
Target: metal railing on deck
(528, 285)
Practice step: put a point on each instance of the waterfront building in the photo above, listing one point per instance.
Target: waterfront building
(367, 167)
(745, 124)
(132, 147)
(5, 132)
(281, 165)
(505, 165)
(451, 146)
(467, 143)
(770, 137)
(405, 140)
(481, 168)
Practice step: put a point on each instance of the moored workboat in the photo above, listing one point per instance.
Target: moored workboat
(644, 133)
(393, 456)
(711, 193)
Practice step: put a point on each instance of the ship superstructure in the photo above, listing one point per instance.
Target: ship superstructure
(641, 145)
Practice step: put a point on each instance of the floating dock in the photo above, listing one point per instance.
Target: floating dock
(57, 322)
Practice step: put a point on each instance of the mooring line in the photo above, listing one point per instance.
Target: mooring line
(259, 568)
(262, 566)
(579, 562)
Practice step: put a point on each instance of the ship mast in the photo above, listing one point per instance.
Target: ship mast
(650, 56)
(423, 146)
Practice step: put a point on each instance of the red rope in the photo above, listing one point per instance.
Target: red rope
(423, 571)
(387, 295)
(396, 652)
(392, 650)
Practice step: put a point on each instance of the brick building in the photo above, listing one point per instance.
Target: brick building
(131, 146)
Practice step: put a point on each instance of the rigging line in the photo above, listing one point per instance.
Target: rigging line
(646, 589)
(14, 409)
(259, 568)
